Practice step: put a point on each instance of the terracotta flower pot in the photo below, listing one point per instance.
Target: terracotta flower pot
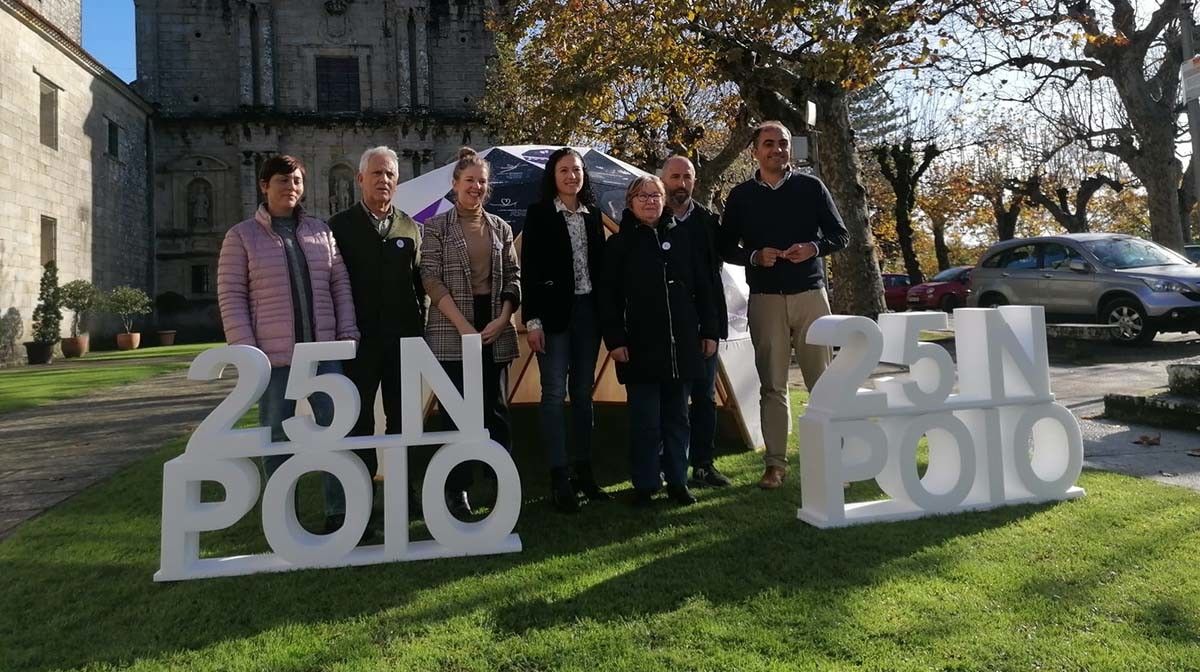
(39, 353)
(75, 347)
(166, 337)
(129, 341)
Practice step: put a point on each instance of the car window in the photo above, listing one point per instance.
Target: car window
(1193, 252)
(1133, 253)
(1021, 257)
(993, 261)
(947, 275)
(1059, 257)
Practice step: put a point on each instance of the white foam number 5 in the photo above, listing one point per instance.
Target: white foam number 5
(303, 382)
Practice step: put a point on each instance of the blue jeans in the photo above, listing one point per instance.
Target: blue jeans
(703, 415)
(570, 356)
(658, 418)
(273, 409)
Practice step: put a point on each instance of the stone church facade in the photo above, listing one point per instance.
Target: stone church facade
(235, 82)
(74, 175)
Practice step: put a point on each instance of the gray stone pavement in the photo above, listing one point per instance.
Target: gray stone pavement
(53, 451)
(1110, 446)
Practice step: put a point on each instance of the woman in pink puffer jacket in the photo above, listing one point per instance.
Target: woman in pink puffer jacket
(281, 281)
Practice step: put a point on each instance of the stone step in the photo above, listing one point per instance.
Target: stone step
(1160, 410)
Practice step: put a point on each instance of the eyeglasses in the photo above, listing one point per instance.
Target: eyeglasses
(649, 197)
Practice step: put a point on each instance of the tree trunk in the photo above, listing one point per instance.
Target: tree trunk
(708, 173)
(939, 243)
(904, 236)
(1006, 218)
(1162, 197)
(856, 286)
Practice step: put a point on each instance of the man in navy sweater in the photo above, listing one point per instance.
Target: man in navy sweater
(779, 224)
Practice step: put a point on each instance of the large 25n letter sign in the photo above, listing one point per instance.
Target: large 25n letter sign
(1000, 440)
(217, 452)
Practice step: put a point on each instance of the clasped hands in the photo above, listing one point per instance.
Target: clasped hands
(797, 253)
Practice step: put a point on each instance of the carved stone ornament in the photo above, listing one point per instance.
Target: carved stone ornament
(337, 7)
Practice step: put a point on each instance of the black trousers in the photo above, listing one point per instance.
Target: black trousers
(376, 366)
(495, 398)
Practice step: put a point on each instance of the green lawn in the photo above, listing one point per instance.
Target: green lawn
(27, 387)
(189, 350)
(1108, 582)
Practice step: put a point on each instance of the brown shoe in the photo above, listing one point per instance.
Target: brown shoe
(772, 478)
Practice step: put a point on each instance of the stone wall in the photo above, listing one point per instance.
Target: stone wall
(205, 183)
(236, 83)
(97, 200)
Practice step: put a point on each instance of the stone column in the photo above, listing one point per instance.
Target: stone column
(424, 92)
(266, 50)
(245, 55)
(248, 182)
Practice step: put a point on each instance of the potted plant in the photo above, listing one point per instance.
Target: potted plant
(78, 296)
(47, 318)
(127, 303)
(169, 305)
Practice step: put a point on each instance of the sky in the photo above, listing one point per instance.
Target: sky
(108, 35)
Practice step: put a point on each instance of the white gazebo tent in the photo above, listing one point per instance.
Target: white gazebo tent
(737, 378)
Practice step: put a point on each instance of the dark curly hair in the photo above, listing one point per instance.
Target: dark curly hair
(550, 187)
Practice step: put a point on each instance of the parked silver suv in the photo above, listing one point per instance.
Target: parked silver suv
(1093, 277)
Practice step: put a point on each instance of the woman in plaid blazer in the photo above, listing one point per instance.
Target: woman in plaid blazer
(470, 272)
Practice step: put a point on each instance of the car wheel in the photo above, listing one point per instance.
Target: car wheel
(992, 300)
(1131, 318)
(949, 303)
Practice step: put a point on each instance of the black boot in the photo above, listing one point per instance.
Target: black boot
(561, 493)
(585, 483)
(681, 495)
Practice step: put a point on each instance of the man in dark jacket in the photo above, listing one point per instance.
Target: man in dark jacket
(679, 177)
(779, 224)
(380, 246)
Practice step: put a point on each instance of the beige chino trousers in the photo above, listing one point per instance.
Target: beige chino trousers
(778, 325)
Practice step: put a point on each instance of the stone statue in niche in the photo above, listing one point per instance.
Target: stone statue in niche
(341, 190)
(199, 205)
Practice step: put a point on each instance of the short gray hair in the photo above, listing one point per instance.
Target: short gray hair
(383, 150)
(638, 182)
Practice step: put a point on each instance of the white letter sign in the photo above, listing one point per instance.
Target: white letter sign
(1000, 440)
(218, 453)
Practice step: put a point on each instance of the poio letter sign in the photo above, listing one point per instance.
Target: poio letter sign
(217, 452)
(1001, 439)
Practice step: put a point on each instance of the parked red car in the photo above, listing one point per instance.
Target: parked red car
(895, 291)
(945, 291)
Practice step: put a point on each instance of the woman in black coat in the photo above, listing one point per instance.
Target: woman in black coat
(659, 321)
(561, 260)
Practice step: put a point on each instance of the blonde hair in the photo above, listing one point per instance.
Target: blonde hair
(468, 157)
(636, 185)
